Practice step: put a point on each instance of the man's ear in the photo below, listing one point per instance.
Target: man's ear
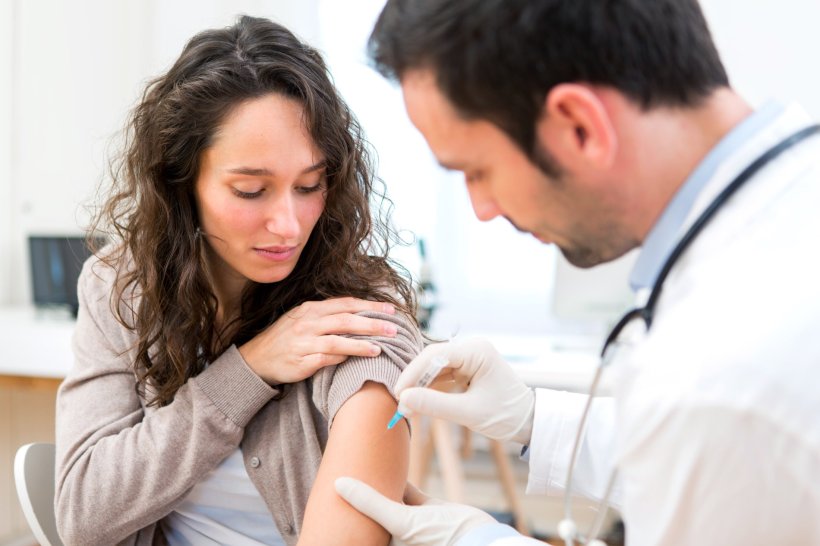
(576, 128)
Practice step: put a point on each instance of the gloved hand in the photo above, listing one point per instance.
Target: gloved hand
(496, 402)
(421, 521)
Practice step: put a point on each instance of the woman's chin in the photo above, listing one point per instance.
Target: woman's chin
(270, 277)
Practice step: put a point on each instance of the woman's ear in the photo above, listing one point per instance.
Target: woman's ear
(576, 128)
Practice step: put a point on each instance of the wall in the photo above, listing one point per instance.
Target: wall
(69, 77)
(7, 34)
(491, 278)
(74, 75)
(769, 48)
(476, 266)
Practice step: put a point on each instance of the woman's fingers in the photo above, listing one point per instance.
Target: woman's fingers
(313, 335)
(316, 361)
(343, 346)
(335, 350)
(346, 323)
(336, 306)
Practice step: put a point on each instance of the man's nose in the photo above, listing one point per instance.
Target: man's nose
(484, 206)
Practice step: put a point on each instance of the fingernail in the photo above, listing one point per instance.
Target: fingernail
(390, 329)
(375, 350)
(389, 309)
(343, 484)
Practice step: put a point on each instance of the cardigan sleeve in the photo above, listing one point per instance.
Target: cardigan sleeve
(333, 385)
(120, 468)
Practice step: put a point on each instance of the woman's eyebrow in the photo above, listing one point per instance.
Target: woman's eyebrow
(263, 171)
(316, 167)
(251, 171)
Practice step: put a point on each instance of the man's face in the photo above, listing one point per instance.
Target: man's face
(502, 181)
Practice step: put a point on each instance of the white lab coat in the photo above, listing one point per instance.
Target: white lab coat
(715, 420)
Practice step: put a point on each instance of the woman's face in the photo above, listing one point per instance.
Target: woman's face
(260, 190)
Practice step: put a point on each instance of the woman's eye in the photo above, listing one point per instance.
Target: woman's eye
(309, 189)
(245, 194)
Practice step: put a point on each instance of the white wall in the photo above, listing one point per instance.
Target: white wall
(490, 277)
(477, 267)
(6, 57)
(770, 48)
(173, 23)
(69, 73)
(74, 76)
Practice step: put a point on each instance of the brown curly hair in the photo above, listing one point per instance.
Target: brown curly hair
(152, 218)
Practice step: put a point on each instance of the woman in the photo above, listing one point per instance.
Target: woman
(199, 410)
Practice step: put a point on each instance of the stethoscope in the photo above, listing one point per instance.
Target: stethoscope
(567, 528)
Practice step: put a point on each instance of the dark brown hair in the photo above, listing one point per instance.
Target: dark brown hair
(497, 60)
(152, 216)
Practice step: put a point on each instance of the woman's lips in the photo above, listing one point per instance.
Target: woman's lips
(276, 253)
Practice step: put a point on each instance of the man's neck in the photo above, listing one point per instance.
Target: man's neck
(674, 142)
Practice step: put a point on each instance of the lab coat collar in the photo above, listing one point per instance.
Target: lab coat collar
(661, 239)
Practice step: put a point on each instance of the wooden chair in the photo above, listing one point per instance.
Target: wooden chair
(34, 479)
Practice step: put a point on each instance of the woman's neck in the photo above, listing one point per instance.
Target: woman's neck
(228, 286)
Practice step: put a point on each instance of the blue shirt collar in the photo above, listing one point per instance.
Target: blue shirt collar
(661, 239)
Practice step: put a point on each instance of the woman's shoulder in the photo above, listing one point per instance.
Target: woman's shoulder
(334, 385)
(99, 272)
(407, 342)
(101, 281)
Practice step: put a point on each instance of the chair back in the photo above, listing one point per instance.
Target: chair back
(34, 478)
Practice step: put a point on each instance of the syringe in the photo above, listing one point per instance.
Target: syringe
(437, 364)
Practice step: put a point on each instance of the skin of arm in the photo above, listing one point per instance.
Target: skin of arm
(359, 445)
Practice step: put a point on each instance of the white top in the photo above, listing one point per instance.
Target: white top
(715, 420)
(223, 508)
(717, 409)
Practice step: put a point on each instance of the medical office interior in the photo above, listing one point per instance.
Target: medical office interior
(70, 71)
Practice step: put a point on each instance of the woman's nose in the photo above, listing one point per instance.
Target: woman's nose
(282, 219)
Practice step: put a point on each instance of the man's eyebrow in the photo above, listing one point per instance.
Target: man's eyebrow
(449, 166)
(262, 171)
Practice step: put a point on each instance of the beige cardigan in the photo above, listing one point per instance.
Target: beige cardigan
(122, 467)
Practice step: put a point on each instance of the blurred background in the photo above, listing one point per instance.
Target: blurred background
(70, 72)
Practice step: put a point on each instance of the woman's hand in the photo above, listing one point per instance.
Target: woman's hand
(309, 337)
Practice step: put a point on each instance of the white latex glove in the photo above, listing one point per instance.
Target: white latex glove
(496, 402)
(421, 521)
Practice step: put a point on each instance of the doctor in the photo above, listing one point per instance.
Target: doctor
(600, 127)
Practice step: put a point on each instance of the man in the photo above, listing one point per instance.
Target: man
(601, 126)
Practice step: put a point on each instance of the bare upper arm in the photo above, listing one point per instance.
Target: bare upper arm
(360, 446)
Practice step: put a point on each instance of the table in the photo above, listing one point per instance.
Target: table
(554, 362)
(35, 343)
